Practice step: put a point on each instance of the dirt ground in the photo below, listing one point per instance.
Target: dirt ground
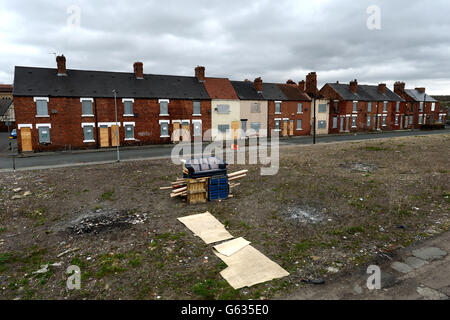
(330, 209)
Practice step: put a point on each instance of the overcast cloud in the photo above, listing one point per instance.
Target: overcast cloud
(277, 40)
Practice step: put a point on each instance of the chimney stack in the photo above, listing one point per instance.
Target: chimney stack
(290, 82)
(382, 88)
(61, 65)
(399, 87)
(139, 70)
(354, 86)
(301, 85)
(421, 90)
(200, 73)
(311, 83)
(258, 84)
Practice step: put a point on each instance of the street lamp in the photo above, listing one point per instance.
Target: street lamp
(117, 125)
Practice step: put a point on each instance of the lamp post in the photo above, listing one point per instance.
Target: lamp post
(117, 126)
(314, 119)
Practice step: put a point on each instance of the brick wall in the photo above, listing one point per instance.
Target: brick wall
(289, 110)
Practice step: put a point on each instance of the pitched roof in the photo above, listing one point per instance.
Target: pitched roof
(364, 93)
(417, 96)
(292, 92)
(30, 81)
(220, 88)
(246, 90)
(4, 105)
(272, 92)
(442, 98)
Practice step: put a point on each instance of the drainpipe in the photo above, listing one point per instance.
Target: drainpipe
(376, 118)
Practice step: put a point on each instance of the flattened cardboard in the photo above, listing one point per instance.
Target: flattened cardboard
(231, 247)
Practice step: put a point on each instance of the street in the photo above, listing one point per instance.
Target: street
(67, 158)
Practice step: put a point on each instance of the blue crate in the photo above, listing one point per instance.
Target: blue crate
(217, 188)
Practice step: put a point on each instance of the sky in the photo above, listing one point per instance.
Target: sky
(371, 41)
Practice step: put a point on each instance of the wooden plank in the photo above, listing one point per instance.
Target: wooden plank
(237, 173)
(25, 136)
(104, 137)
(115, 139)
(237, 177)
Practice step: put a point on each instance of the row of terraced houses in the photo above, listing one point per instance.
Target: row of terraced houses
(65, 108)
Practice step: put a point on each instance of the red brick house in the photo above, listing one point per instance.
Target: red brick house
(357, 107)
(65, 108)
(421, 108)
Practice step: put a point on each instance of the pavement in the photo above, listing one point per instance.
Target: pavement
(418, 272)
(40, 160)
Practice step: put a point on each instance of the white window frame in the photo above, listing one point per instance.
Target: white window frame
(193, 128)
(164, 121)
(200, 109)
(44, 125)
(132, 106)
(384, 121)
(159, 102)
(279, 112)
(129, 123)
(355, 103)
(354, 118)
(397, 107)
(433, 106)
(300, 104)
(88, 124)
(385, 106)
(279, 124)
(35, 99)
(87, 99)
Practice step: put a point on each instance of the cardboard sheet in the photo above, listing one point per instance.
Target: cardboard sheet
(248, 267)
(205, 226)
(231, 247)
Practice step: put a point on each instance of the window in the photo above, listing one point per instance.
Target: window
(129, 132)
(336, 103)
(368, 121)
(335, 122)
(197, 108)
(421, 107)
(396, 120)
(369, 107)
(255, 108)
(88, 133)
(277, 124)
(41, 106)
(86, 107)
(441, 118)
(278, 107)
(299, 124)
(322, 124)
(300, 107)
(163, 107)
(128, 107)
(420, 118)
(410, 120)
(255, 126)
(355, 106)
(223, 128)
(223, 108)
(385, 106)
(353, 122)
(322, 108)
(433, 106)
(244, 126)
(44, 134)
(384, 121)
(406, 121)
(397, 107)
(164, 129)
(197, 128)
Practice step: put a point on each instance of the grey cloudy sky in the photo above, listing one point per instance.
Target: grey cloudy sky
(276, 39)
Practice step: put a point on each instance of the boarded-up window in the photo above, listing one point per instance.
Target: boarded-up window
(44, 135)
(88, 133)
(255, 108)
(41, 108)
(322, 108)
(163, 107)
(322, 124)
(196, 107)
(128, 107)
(87, 107)
(223, 108)
(129, 131)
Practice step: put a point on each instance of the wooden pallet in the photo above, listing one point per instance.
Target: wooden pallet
(197, 190)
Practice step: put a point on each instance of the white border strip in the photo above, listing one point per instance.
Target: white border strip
(40, 98)
(109, 124)
(85, 124)
(39, 125)
(25, 125)
(164, 121)
(127, 99)
(163, 100)
(196, 120)
(87, 99)
(129, 123)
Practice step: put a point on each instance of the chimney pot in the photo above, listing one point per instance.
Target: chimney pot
(421, 89)
(382, 88)
(311, 83)
(290, 82)
(258, 84)
(61, 65)
(354, 86)
(139, 70)
(200, 73)
(399, 87)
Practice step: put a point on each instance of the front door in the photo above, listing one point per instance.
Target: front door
(176, 132)
(291, 127)
(186, 135)
(115, 139)
(285, 128)
(342, 124)
(235, 129)
(244, 127)
(104, 137)
(25, 134)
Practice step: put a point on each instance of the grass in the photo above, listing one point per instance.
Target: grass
(107, 196)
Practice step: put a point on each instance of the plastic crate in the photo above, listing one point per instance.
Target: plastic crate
(218, 188)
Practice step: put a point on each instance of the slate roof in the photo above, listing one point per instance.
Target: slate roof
(292, 92)
(271, 91)
(220, 88)
(4, 105)
(364, 93)
(417, 96)
(246, 90)
(30, 81)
